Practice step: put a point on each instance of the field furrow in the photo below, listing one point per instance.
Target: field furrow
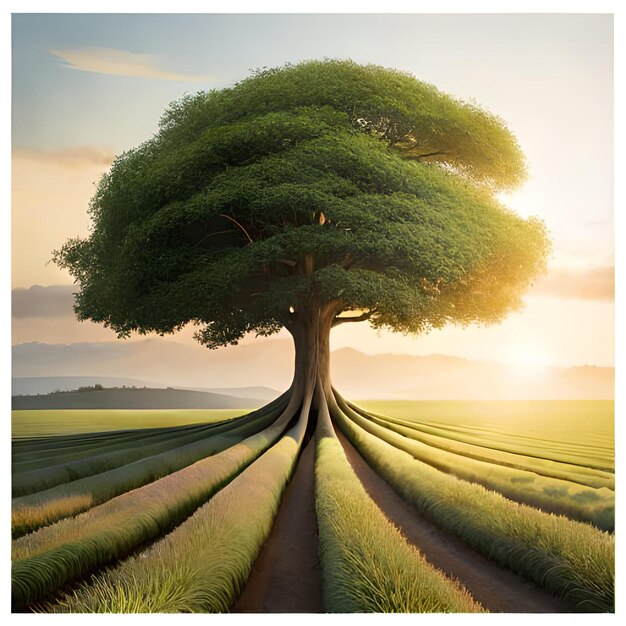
(203, 564)
(367, 565)
(588, 476)
(46, 560)
(39, 480)
(573, 560)
(497, 589)
(550, 430)
(596, 506)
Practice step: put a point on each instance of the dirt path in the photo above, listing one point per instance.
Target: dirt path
(286, 578)
(498, 590)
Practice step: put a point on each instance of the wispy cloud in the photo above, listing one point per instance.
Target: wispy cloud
(120, 63)
(69, 157)
(587, 284)
(43, 302)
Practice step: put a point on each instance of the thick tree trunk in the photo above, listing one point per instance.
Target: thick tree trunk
(311, 335)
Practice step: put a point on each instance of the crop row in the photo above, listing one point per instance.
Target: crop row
(51, 446)
(596, 506)
(55, 555)
(571, 559)
(367, 565)
(84, 445)
(587, 476)
(39, 480)
(42, 474)
(204, 563)
(45, 507)
(580, 431)
(561, 452)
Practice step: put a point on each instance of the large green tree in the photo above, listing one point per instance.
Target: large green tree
(305, 197)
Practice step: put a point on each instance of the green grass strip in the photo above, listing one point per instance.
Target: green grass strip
(36, 459)
(204, 563)
(588, 476)
(367, 565)
(571, 559)
(553, 451)
(55, 555)
(595, 506)
(42, 465)
(45, 507)
(39, 480)
(60, 444)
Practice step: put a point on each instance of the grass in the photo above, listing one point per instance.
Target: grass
(596, 506)
(367, 566)
(584, 475)
(571, 431)
(47, 423)
(55, 555)
(78, 447)
(54, 449)
(42, 479)
(569, 558)
(45, 507)
(204, 563)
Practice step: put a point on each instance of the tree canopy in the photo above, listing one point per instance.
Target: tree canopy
(320, 182)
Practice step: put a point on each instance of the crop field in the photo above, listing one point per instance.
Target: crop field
(77, 421)
(167, 511)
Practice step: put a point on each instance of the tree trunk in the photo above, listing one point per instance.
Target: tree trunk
(311, 335)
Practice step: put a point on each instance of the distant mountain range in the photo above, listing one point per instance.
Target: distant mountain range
(269, 364)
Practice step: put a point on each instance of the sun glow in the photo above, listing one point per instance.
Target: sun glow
(527, 357)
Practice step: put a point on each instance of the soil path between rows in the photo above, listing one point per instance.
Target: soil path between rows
(497, 589)
(285, 577)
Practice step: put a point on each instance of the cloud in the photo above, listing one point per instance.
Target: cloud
(67, 157)
(43, 302)
(586, 284)
(119, 63)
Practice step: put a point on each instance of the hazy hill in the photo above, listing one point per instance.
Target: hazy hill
(445, 377)
(129, 398)
(269, 363)
(33, 385)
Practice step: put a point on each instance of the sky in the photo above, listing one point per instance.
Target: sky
(87, 87)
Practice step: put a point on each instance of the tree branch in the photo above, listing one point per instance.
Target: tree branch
(234, 221)
(355, 318)
(425, 155)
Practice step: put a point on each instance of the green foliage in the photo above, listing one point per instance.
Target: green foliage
(51, 557)
(568, 558)
(387, 183)
(367, 565)
(203, 564)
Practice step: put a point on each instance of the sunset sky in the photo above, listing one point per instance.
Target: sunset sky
(88, 87)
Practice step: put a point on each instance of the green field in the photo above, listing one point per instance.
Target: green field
(90, 488)
(579, 431)
(69, 422)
